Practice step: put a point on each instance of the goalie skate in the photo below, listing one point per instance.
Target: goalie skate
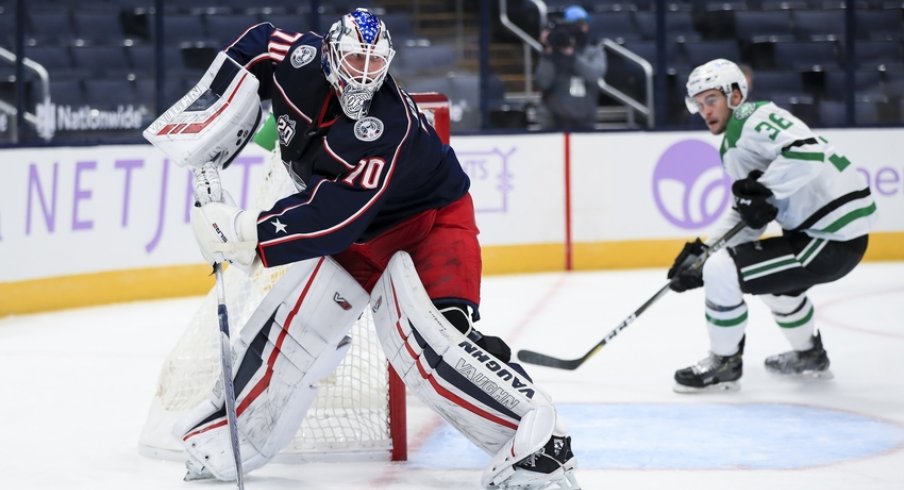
(194, 471)
(550, 468)
(713, 373)
(810, 363)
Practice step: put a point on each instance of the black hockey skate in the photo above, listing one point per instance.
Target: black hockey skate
(552, 467)
(813, 362)
(714, 373)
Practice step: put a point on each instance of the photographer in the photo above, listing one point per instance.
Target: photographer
(567, 73)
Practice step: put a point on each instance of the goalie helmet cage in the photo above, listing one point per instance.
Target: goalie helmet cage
(359, 411)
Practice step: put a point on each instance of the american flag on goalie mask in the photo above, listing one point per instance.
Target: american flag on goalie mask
(368, 25)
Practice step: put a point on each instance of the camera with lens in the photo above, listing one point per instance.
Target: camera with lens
(561, 36)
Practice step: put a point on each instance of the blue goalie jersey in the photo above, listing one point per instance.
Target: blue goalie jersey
(360, 178)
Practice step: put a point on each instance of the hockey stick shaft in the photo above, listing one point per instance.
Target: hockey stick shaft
(228, 386)
(540, 359)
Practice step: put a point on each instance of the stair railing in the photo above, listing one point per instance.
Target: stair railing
(42, 74)
(529, 43)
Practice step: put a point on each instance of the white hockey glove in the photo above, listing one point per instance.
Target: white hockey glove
(225, 232)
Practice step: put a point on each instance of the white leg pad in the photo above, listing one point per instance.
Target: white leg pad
(295, 338)
(533, 433)
(493, 405)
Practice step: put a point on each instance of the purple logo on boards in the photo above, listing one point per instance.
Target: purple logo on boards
(689, 186)
(491, 177)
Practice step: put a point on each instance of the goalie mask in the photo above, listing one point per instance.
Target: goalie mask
(355, 57)
(717, 74)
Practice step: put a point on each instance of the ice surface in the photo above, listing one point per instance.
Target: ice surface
(77, 385)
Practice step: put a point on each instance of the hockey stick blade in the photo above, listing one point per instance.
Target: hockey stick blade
(540, 359)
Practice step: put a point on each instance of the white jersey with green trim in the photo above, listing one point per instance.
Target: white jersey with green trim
(817, 190)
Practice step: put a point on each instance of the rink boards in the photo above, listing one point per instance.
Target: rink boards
(99, 224)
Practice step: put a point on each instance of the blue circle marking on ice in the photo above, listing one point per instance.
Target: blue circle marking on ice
(710, 436)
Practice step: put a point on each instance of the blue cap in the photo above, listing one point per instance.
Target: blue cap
(575, 13)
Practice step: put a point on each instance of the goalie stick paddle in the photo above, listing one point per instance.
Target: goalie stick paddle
(540, 359)
(228, 386)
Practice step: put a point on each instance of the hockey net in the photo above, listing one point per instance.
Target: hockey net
(359, 411)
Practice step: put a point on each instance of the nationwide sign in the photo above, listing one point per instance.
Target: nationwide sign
(52, 118)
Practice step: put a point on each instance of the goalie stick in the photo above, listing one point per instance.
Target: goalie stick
(208, 189)
(228, 385)
(540, 359)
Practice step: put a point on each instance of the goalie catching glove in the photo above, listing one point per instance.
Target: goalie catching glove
(225, 232)
(753, 201)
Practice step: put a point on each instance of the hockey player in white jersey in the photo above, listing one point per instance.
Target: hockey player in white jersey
(783, 172)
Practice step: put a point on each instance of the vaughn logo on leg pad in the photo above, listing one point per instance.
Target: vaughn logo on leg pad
(488, 385)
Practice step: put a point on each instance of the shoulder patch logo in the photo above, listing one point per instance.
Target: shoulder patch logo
(744, 111)
(302, 55)
(285, 126)
(368, 129)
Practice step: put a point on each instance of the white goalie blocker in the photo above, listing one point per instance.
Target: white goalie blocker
(294, 339)
(213, 121)
(489, 402)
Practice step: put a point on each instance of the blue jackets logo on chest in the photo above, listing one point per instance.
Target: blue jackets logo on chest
(368, 129)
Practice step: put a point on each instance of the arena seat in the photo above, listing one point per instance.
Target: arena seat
(434, 58)
(818, 25)
(801, 105)
(439, 83)
(866, 81)
(879, 24)
(757, 25)
(614, 25)
(108, 93)
(183, 28)
(56, 59)
(697, 53)
(101, 59)
(807, 54)
(767, 82)
(224, 29)
(7, 29)
(49, 27)
(67, 92)
(647, 51)
(876, 52)
(677, 25)
(98, 27)
(832, 113)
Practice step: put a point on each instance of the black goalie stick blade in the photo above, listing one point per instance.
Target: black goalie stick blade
(539, 359)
